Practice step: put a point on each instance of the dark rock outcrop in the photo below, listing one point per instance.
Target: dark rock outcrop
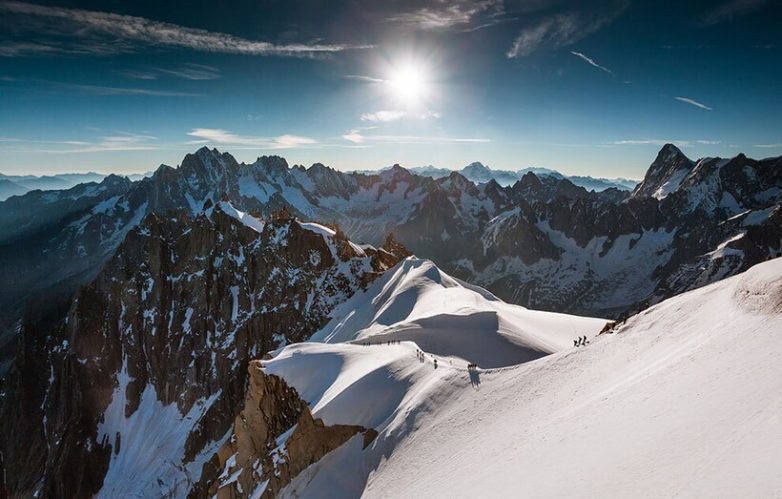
(275, 438)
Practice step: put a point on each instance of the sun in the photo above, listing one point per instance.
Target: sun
(409, 84)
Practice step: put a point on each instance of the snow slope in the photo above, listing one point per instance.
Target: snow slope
(416, 301)
(684, 400)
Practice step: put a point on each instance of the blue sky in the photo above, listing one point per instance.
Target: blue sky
(591, 88)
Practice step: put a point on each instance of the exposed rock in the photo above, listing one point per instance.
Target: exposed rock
(275, 438)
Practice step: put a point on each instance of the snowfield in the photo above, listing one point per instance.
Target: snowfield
(684, 399)
(416, 301)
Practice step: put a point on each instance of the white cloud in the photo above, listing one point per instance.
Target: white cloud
(652, 142)
(219, 136)
(139, 29)
(394, 115)
(138, 75)
(191, 71)
(357, 137)
(591, 61)
(287, 141)
(778, 145)
(709, 142)
(354, 136)
(58, 86)
(692, 102)
(101, 90)
(560, 30)
(122, 141)
(730, 10)
(369, 79)
(445, 14)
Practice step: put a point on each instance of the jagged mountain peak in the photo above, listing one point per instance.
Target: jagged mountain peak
(208, 163)
(530, 180)
(272, 164)
(477, 172)
(115, 180)
(396, 173)
(670, 150)
(458, 180)
(665, 174)
(476, 166)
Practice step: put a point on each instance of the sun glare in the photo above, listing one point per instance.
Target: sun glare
(409, 84)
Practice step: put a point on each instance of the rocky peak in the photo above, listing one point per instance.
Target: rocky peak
(113, 180)
(397, 173)
(665, 174)
(460, 184)
(162, 170)
(530, 181)
(273, 166)
(394, 248)
(208, 165)
(477, 172)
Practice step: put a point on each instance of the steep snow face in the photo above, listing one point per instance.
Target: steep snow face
(682, 400)
(245, 218)
(416, 301)
(149, 445)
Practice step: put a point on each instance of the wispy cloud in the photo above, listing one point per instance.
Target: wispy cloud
(121, 141)
(357, 137)
(17, 49)
(693, 102)
(138, 75)
(394, 115)
(80, 23)
(50, 86)
(560, 30)
(662, 142)
(777, 145)
(187, 71)
(219, 136)
(730, 10)
(591, 61)
(368, 79)
(652, 142)
(354, 136)
(445, 14)
(50, 47)
(103, 90)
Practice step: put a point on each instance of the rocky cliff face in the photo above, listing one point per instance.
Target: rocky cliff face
(688, 224)
(138, 386)
(275, 438)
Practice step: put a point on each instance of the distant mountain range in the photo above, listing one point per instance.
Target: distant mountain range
(16, 185)
(479, 173)
(542, 242)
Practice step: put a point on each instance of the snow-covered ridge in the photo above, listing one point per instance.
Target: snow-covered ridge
(682, 400)
(416, 301)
